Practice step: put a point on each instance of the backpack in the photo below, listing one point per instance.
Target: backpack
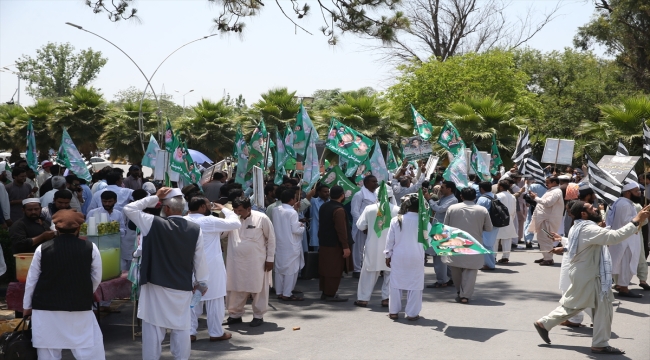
(499, 214)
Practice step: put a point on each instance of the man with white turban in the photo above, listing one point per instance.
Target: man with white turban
(625, 255)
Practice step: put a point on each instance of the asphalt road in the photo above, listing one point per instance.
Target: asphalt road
(497, 324)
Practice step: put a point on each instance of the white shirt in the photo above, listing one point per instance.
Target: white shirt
(212, 227)
(124, 195)
(161, 306)
(4, 202)
(288, 240)
(360, 200)
(61, 329)
(620, 214)
(406, 253)
(373, 253)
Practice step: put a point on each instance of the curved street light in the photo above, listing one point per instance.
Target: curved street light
(148, 79)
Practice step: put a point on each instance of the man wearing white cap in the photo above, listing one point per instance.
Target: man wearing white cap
(172, 250)
(374, 259)
(625, 255)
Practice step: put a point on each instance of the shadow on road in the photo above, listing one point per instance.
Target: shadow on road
(471, 333)
(585, 350)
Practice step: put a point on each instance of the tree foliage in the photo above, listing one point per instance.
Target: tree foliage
(211, 130)
(56, 70)
(623, 28)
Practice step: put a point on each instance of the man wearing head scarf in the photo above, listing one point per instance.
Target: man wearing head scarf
(172, 251)
(590, 273)
(374, 260)
(62, 278)
(31, 230)
(364, 197)
(625, 255)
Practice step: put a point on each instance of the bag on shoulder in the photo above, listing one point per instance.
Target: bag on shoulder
(17, 345)
(499, 214)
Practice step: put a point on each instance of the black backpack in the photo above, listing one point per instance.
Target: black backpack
(499, 214)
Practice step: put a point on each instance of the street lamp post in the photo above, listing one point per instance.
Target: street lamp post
(148, 79)
(184, 100)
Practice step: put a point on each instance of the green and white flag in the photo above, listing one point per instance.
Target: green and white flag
(347, 142)
(257, 147)
(70, 157)
(457, 170)
(288, 142)
(423, 220)
(335, 177)
(30, 154)
(450, 139)
(495, 157)
(302, 129)
(239, 135)
(280, 159)
(450, 241)
(149, 158)
(377, 164)
(382, 222)
(311, 172)
(171, 142)
(421, 126)
(391, 160)
(362, 171)
(242, 160)
(479, 165)
(190, 174)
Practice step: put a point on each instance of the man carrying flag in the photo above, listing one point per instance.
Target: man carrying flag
(375, 219)
(404, 254)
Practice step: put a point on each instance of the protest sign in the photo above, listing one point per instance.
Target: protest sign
(431, 166)
(415, 148)
(558, 151)
(618, 166)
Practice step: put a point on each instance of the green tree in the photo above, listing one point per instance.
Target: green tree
(121, 130)
(622, 120)
(623, 28)
(478, 118)
(210, 130)
(433, 85)
(56, 70)
(84, 114)
(13, 127)
(168, 108)
(278, 107)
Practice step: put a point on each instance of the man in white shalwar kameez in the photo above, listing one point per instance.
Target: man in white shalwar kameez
(590, 273)
(250, 255)
(548, 215)
(404, 256)
(200, 210)
(62, 278)
(288, 246)
(374, 260)
(625, 255)
(507, 233)
(364, 197)
(172, 250)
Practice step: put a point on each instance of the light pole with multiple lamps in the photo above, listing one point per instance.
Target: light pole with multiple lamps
(184, 99)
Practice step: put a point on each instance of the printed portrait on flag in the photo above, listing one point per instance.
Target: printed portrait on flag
(347, 142)
(415, 148)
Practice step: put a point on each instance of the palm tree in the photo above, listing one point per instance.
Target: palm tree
(618, 121)
(121, 130)
(211, 131)
(476, 119)
(83, 114)
(278, 107)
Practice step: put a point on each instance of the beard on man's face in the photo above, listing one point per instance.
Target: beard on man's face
(636, 199)
(108, 208)
(595, 217)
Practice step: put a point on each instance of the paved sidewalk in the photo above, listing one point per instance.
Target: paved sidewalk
(497, 324)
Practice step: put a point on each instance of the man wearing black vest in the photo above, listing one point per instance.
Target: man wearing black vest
(334, 250)
(64, 274)
(172, 250)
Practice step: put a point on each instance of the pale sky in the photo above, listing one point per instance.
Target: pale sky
(270, 55)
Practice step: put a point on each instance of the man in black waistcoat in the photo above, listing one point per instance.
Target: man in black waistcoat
(64, 274)
(334, 235)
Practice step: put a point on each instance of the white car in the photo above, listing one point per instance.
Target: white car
(99, 163)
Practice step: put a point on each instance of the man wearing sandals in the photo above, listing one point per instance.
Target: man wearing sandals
(404, 256)
(288, 246)
(591, 274)
(506, 233)
(548, 215)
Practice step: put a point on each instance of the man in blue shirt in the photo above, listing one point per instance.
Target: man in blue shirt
(323, 193)
(539, 190)
(489, 237)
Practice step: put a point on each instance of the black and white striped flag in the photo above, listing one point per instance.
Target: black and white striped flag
(532, 167)
(606, 187)
(646, 142)
(621, 150)
(523, 149)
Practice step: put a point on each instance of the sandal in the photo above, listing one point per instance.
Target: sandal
(503, 260)
(547, 263)
(360, 303)
(644, 286)
(608, 350)
(571, 324)
(384, 303)
(291, 298)
(413, 318)
(462, 300)
(393, 316)
(437, 285)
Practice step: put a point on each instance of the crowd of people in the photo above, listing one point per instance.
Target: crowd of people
(211, 239)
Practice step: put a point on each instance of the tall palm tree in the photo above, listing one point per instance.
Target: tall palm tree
(622, 121)
(278, 107)
(83, 114)
(476, 119)
(211, 130)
